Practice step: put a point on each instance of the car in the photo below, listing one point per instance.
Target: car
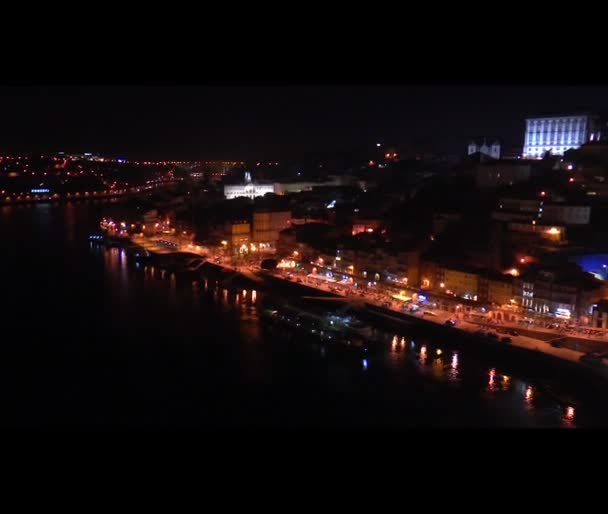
(506, 340)
(450, 323)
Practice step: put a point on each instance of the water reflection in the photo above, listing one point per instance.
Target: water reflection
(438, 368)
(529, 397)
(423, 354)
(569, 416)
(453, 375)
(491, 380)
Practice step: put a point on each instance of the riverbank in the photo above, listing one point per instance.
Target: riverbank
(520, 347)
(526, 347)
(28, 198)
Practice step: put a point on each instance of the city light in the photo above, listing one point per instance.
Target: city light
(553, 231)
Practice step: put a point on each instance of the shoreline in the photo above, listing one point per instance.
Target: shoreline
(522, 347)
(525, 347)
(29, 198)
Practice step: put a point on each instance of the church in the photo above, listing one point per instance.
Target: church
(492, 151)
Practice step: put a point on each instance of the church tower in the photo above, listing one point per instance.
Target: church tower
(495, 150)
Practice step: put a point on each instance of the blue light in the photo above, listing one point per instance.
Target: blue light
(40, 190)
(422, 298)
(364, 363)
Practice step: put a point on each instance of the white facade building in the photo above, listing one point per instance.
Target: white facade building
(249, 189)
(558, 134)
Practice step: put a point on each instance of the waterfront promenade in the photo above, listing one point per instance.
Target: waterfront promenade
(528, 339)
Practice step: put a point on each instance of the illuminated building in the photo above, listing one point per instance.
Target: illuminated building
(556, 134)
(289, 186)
(248, 189)
(236, 234)
(599, 317)
(268, 224)
(565, 291)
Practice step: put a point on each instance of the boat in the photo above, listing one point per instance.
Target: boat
(331, 330)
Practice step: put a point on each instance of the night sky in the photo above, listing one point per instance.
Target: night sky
(259, 122)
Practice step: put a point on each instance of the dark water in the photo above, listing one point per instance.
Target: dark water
(92, 340)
